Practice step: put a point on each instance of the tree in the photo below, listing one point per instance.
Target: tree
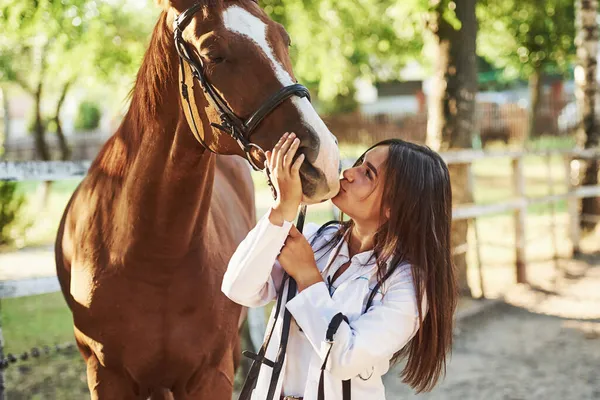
(528, 39)
(48, 45)
(452, 102)
(588, 135)
(335, 42)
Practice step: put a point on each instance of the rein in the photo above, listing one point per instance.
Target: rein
(259, 358)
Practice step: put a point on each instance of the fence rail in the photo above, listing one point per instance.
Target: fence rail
(29, 287)
(59, 170)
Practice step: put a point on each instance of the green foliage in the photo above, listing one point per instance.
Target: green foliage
(46, 43)
(340, 104)
(335, 42)
(88, 116)
(36, 320)
(11, 202)
(523, 35)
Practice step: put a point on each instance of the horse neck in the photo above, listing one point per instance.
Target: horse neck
(167, 176)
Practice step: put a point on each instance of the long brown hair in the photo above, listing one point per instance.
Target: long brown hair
(417, 191)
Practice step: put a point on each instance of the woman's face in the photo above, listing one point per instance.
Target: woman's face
(360, 194)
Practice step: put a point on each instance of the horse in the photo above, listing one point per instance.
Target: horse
(145, 239)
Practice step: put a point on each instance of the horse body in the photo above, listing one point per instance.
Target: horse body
(145, 240)
(144, 282)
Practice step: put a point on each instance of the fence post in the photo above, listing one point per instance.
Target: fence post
(520, 216)
(573, 206)
(553, 223)
(473, 221)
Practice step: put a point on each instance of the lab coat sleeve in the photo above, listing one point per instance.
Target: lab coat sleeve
(253, 268)
(253, 274)
(373, 337)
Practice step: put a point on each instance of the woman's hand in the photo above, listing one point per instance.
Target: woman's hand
(298, 260)
(285, 175)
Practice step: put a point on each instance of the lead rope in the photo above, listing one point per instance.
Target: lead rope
(259, 358)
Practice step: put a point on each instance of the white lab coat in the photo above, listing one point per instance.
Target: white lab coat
(361, 350)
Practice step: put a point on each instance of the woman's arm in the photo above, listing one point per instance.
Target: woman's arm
(251, 276)
(374, 337)
(252, 273)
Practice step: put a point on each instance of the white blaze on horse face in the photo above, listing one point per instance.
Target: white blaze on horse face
(238, 20)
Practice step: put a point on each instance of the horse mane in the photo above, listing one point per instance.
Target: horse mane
(155, 80)
(154, 77)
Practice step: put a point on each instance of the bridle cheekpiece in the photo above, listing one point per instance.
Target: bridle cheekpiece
(239, 129)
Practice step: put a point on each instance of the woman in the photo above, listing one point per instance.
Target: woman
(387, 270)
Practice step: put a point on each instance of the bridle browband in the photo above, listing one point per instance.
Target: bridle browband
(231, 124)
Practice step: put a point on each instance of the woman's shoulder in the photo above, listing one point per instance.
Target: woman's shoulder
(401, 276)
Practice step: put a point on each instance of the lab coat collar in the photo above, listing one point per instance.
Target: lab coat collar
(363, 264)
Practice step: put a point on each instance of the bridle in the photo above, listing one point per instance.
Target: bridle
(236, 127)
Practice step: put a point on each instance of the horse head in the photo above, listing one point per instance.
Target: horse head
(237, 76)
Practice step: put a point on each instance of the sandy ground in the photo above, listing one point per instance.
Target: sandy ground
(27, 263)
(542, 343)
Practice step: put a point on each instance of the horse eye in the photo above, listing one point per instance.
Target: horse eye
(215, 59)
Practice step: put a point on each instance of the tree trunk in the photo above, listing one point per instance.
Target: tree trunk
(452, 104)
(65, 150)
(585, 79)
(41, 147)
(535, 93)
(39, 131)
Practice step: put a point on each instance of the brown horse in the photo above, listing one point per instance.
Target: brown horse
(145, 239)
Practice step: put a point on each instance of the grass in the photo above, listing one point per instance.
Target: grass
(38, 321)
(35, 321)
(60, 377)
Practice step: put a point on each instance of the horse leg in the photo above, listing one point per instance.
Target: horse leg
(105, 384)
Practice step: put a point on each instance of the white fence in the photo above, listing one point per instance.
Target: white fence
(57, 170)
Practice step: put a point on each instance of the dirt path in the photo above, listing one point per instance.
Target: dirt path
(544, 345)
